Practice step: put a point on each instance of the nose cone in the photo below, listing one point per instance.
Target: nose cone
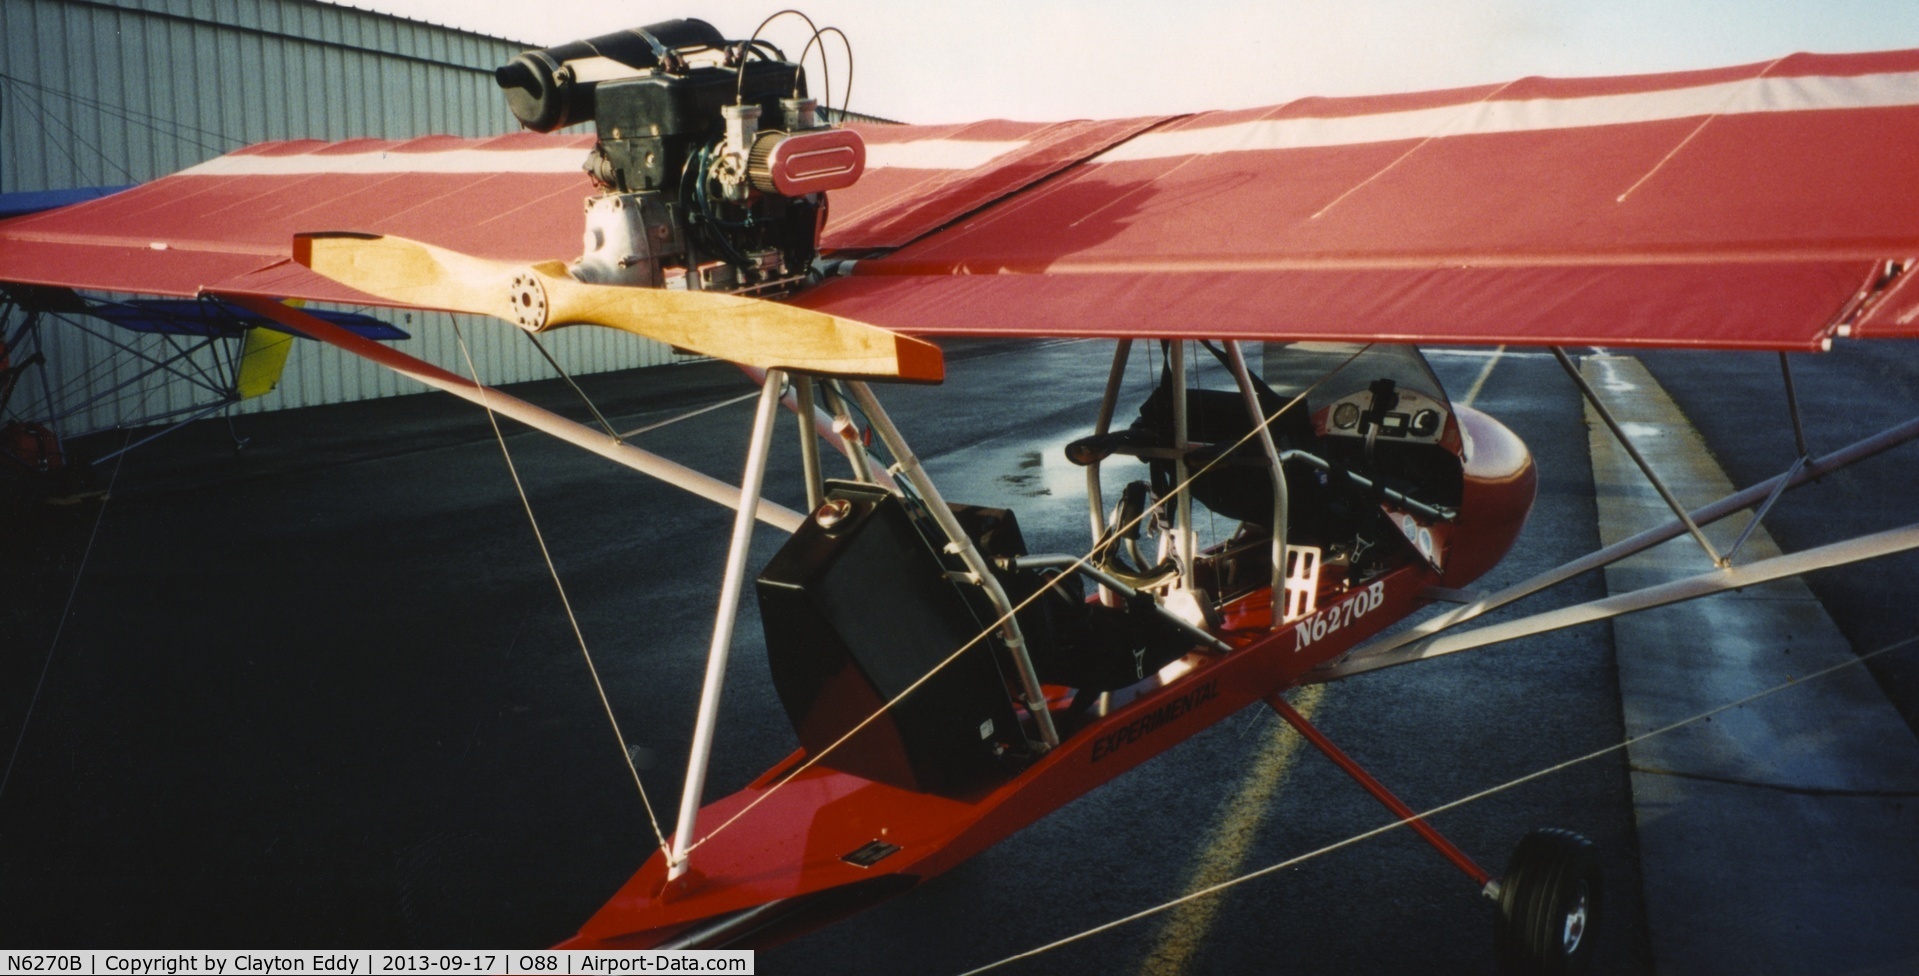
(1497, 496)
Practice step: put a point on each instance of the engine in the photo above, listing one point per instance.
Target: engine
(712, 163)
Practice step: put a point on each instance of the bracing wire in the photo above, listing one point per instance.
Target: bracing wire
(132, 116)
(60, 628)
(46, 113)
(626, 752)
(37, 115)
(1442, 808)
(1041, 591)
(690, 414)
(103, 370)
(568, 377)
(608, 425)
(183, 365)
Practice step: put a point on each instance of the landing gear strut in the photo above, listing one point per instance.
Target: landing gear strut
(1548, 899)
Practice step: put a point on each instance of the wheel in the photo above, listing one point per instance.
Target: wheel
(1548, 902)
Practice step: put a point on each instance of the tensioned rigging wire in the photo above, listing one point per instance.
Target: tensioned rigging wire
(1048, 587)
(79, 572)
(626, 751)
(46, 113)
(47, 134)
(1442, 808)
(133, 116)
(690, 414)
(99, 370)
(606, 424)
(557, 368)
(107, 369)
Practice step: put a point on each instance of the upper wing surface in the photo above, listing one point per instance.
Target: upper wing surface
(1758, 206)
(1739, 207)
(227, 224)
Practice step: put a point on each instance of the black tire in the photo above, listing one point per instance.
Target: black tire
(1548, 903)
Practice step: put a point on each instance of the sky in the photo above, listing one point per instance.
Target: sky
(1061, 59)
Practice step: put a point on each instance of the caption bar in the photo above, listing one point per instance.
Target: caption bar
(224, 962)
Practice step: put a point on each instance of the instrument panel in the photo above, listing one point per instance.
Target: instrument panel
(1415, 418)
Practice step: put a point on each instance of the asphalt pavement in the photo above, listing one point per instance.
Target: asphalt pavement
(323, 693)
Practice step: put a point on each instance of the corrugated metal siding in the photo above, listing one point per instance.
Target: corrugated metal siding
(102, 93)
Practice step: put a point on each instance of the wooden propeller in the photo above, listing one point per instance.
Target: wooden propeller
(539, 297)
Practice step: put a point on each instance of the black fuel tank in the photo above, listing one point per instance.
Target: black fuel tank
(858, 611)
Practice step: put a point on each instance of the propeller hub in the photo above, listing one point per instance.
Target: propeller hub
(528, 297)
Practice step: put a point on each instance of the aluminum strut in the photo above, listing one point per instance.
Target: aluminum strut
(1095, 498)
(827, 426)
(1619, 434)
(1426, 831)
(809, 442)
(1183, 508)
(1862, 548)
(150, 438)
(580, 435)
(905, 463)
(1792, 404)
(1108, 402)
(1237, 360)
(721, 648)
(1759, 514)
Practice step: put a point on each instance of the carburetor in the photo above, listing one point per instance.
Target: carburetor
(712, 164)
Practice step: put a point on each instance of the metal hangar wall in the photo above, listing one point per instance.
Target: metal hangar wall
(107, 93)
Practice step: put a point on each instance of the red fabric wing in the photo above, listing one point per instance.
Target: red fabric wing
(1744, 207)
(1760, 206)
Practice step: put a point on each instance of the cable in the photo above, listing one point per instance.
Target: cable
(77, 137)
(826, 81)
(626, 751)
(132, 116)
(689, 415)
(557, 368)
(739, 85)
(47, 133)
(826, 77)
(78, 573)
(1427, 815)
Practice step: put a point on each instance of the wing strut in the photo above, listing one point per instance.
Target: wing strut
(1692, 587)
(580, 435)
(1619, 434)
(717, 654)
(1263, 424)
(1107, 404)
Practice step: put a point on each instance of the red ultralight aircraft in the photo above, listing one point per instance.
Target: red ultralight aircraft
(1712, 209)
